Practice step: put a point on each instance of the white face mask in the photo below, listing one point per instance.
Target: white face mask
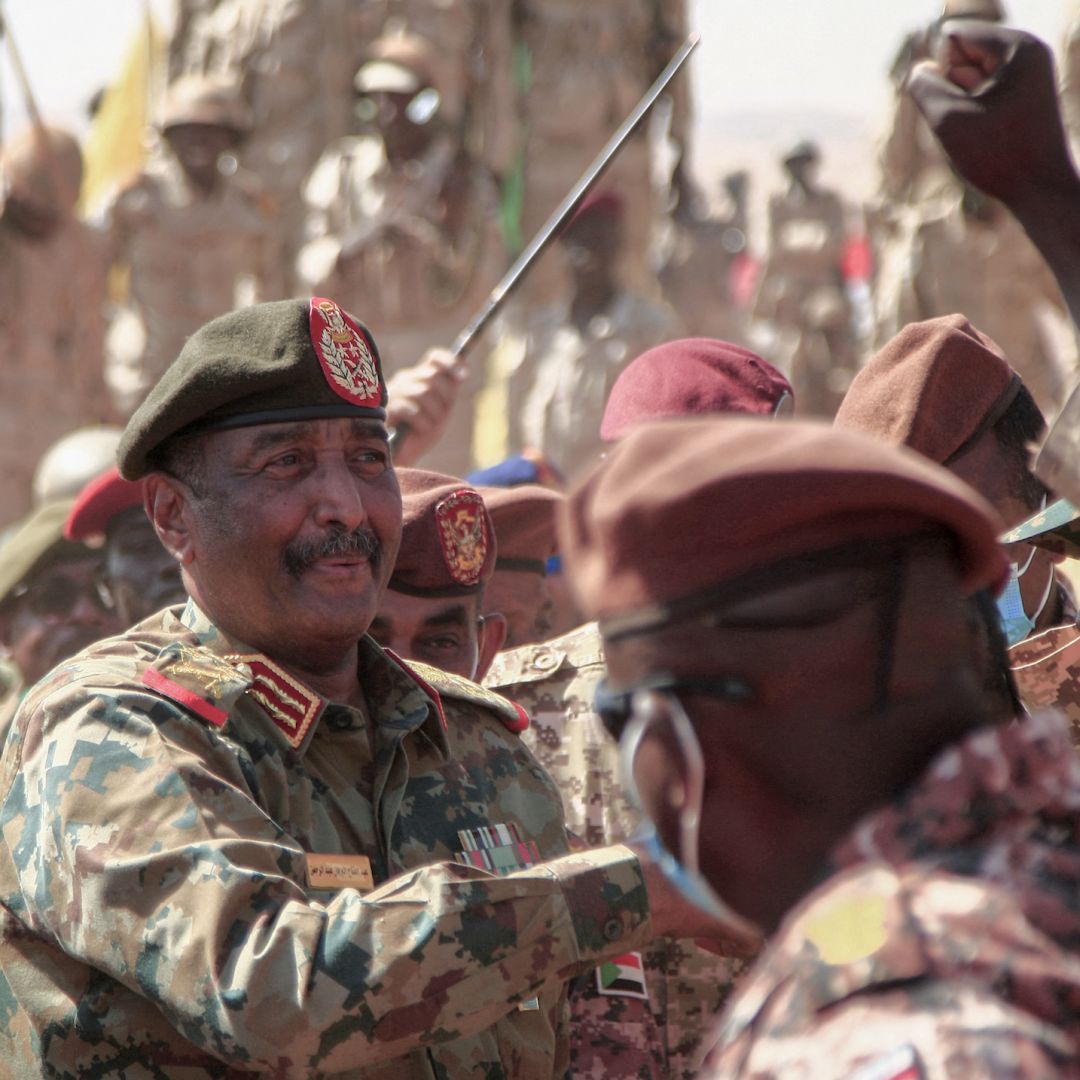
(656, 709)
(1015, 621)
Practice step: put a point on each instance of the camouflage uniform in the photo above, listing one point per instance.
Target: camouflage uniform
(1046, 668)
(229, 261)
(945, 944)
(612, 1034)
(179, 817)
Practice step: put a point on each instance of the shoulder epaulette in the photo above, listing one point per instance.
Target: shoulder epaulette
(444, 684)
(198, 680)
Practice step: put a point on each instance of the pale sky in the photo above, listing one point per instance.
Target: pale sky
(795, 57)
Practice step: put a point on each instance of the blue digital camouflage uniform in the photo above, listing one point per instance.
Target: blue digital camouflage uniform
(640, 1022)
(947, 942)
(169, 802)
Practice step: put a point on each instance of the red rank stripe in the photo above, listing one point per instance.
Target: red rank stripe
(200, 706)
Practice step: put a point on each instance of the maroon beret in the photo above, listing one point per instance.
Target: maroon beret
(691, 376)
(600, 204)
(524, 519)
(935, 387)
(682, 506)
(99, 502)
(447, 539)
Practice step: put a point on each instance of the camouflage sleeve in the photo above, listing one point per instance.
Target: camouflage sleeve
(132, 837)
(930, 1030)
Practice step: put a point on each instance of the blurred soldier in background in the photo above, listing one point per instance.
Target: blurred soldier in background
(194, 232)
(402, 221)
(588, 65)
(51, 601)
(801, 296)
(549, 380)
(52, 300)
(946, 248)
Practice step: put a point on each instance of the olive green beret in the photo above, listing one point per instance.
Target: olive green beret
(36, 537)
(266, 364)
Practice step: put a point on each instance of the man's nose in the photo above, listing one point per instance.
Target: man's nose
(338, 499)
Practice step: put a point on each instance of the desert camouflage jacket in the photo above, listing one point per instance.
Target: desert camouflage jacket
(947, 941)
(178, 821)
(646, 1016)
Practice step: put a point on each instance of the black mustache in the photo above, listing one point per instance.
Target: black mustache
(300, 555)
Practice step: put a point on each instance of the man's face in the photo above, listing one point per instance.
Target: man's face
(524, 600)
(198, 148)
(292, 546)
(141, 575)
(60, 611)
(443, 632)
(809, 749)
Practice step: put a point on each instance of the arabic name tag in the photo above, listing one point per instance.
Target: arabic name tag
(329, 873)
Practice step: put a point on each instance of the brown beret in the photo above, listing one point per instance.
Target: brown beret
(683, 506)
(692, 376)
(447, 539)
(524, 520)
(270, 363)
(936, 387)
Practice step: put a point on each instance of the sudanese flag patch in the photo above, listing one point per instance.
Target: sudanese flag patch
(345, 354)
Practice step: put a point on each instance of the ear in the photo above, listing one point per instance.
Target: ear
(167, 505)
(490, 638)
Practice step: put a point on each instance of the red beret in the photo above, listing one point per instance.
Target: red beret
(524, 519)
(447, 539)
(682, 506)
(99, 502)
(936, 387)
(694, 375)
(607, 204)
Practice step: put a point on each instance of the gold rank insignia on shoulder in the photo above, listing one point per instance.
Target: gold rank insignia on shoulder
(463, 535)
(512, 715)
(198, 680)
(287, 701)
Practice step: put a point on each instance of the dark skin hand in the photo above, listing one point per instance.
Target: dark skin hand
(990, 97)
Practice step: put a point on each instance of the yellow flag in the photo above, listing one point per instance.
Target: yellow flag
(116, 147)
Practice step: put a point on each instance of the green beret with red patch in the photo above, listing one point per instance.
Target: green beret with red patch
(270, 363)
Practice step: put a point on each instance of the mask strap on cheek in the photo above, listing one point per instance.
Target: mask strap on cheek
(1050, 582)
(1021, 571)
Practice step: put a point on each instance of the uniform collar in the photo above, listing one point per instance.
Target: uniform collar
(396, 701)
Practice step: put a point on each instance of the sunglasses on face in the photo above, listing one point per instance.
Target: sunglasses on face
(57, 595)
(615, 707)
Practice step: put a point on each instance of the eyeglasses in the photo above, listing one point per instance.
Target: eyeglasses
(615, 707)
(56, 595)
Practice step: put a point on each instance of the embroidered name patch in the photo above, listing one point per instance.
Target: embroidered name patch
(332, 872)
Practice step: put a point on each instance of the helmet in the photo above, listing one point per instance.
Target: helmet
(203, 99)
(991, 10)
(73, 460)
(398, 62)
(44, 164)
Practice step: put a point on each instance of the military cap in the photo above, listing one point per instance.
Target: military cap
(206, 99)
(99, 502)
(991, 10)
(683, 508)
(524, 520)
(1055, 528)
(283, 361)
(598, 204)
(398, 62)
(73, 461)
(448, 543)
(531, 466)
(691, 376)
(37, 541)
(935, 387)
(804, 150)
